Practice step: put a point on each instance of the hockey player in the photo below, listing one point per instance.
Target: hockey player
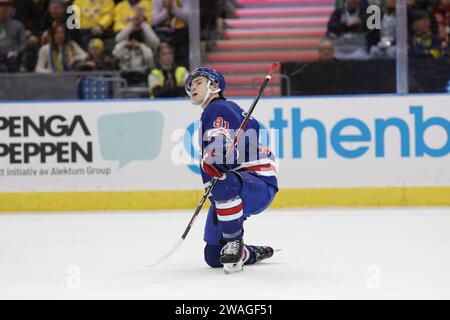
(247, 180)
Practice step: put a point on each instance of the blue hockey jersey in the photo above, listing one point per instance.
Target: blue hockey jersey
(220, 122)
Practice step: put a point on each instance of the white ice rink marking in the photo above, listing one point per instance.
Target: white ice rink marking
(327, 254)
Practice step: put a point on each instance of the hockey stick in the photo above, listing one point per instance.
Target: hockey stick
(214, 180)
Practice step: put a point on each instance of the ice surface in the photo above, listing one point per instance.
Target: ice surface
(327, 254)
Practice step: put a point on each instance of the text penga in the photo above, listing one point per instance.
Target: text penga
(63, 139)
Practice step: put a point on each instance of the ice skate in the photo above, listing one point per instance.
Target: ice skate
(232, 256)
(262, 252)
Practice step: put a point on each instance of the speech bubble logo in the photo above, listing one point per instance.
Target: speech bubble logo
(128, 137)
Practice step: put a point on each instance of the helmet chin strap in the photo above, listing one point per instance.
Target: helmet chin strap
(208, 93)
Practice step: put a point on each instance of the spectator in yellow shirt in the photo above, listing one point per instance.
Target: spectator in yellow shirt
(96, 16)
(126, 10)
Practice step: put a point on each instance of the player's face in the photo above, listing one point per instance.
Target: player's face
(198, 89)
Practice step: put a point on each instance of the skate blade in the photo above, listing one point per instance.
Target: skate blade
(230, 268)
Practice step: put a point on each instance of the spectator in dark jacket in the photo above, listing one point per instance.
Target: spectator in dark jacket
(12, 38)
(211, 12)
(423, 43)
(348, 26)
(31, 14)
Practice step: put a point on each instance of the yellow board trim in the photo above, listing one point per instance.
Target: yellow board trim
(188, 199)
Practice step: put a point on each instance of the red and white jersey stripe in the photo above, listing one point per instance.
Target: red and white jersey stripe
(229, 210)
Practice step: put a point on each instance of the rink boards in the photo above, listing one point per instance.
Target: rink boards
(378, 150)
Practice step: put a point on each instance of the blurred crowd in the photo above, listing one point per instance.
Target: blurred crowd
(350, 38)
(146, 40)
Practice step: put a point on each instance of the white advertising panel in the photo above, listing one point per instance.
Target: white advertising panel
(367, 141)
